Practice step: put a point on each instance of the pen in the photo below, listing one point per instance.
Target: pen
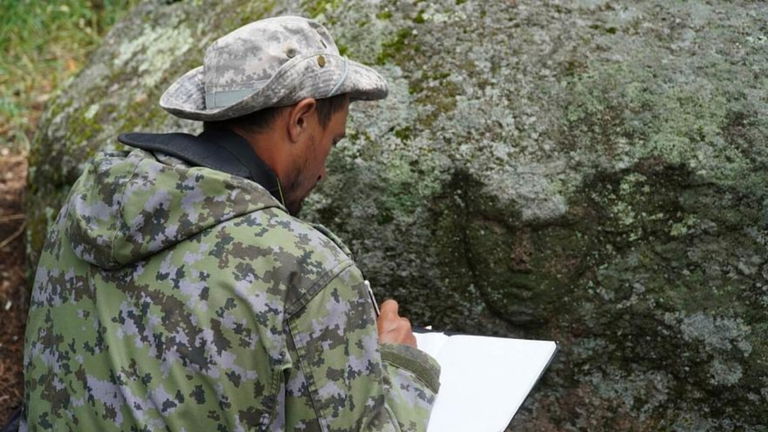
(373, 298)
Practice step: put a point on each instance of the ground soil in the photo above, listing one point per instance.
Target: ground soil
(13, 299)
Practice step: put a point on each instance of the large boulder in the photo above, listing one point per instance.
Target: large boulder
(593, 172)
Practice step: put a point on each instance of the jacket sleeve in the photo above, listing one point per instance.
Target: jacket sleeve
(354, 383)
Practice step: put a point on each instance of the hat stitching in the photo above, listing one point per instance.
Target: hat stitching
(342, 79)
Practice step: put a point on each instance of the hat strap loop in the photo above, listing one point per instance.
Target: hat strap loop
(343, 77)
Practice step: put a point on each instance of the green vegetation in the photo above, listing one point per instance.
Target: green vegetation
(43, 44)
(319, 7)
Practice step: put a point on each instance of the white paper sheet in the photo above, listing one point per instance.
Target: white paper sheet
(483, 380)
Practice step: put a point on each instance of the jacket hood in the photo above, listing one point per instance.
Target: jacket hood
(129, 205)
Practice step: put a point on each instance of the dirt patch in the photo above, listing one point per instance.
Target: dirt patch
(13, 299)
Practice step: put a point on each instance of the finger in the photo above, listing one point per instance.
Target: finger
(411, 340)
(389, 307)
(387, 322)
(405, 323)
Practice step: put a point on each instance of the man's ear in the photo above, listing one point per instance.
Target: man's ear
(299, 118)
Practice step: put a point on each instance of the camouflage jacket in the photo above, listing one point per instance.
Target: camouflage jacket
(171, 297)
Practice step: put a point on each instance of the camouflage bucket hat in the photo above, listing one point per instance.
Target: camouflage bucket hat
(268, 63)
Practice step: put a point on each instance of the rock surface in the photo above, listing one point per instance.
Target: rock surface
(587, 171)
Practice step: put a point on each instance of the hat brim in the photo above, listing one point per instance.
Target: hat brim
(298, 79)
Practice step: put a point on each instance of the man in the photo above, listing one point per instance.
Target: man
(178, 291)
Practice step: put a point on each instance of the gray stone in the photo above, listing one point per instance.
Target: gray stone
(587, 171)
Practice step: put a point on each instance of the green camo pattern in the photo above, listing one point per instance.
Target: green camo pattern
(180, 298)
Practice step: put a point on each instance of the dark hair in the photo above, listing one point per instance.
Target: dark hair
(260, 120)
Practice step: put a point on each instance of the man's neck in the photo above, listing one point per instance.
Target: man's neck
(267, 148)
(239, 148)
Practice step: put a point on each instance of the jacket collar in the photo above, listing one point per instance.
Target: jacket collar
(218, 149)
(241, 150)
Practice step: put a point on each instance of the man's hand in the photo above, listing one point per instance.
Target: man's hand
(392, 327)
